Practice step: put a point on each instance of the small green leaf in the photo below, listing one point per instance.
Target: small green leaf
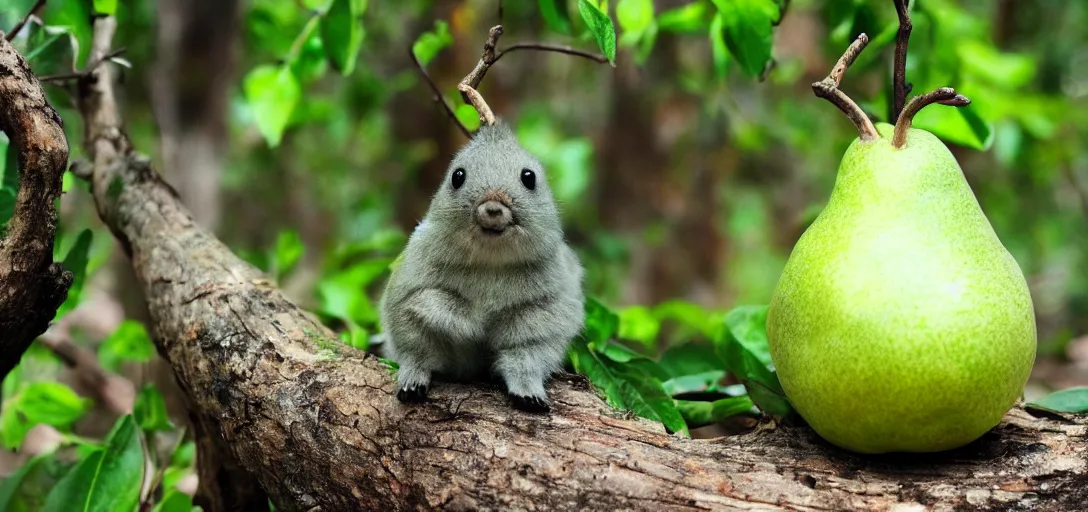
(272, 92)
(468, 116)
(311, 63)
(76, 262)
(691, 358)
(288, 252)
(601, 322)
(342, 34)
(343, 294)
(741, 343)
(76, 17)
(150, 410)
(109, 479)
(719, 53)
(25, 490)
(184, 455)
(600, 25)
(958, 125)
(1007, 70)
(129, 342)
(106, 7)
(1073, 400)
(430, 43)
(698, 414)
(694, 383)
(688, 19)
(555, 15)
(52, 403)
(638, 323)
(749, 31)
(635, 15)
(174, 501)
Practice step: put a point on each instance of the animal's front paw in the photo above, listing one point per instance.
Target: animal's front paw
(530, 403)
(413, 394)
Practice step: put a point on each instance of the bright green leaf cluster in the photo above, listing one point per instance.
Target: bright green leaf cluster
(129, 342)
(49, 403)
(600, 25)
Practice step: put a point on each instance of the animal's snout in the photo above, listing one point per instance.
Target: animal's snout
(493, 216)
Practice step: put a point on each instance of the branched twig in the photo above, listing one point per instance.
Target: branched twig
(900, 86)
(63, 77)
(438, 97)
(943, 95)
(828, 89)
(488, 58)
(22, 23)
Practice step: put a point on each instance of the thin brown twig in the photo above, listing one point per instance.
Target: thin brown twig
(828, 89)
(438, 97)
(943, 95)
(900, 86)
(26, 19)
(552, 48)
(85, 72)
(468, 85)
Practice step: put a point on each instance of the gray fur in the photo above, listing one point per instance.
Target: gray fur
(463, 302)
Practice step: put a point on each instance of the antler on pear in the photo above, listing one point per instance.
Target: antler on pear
(943, 95)
(828, 89)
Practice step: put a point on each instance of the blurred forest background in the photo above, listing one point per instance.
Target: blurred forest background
(686, 172)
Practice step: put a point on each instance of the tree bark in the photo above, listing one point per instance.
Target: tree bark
(32, 286)
(320, 429)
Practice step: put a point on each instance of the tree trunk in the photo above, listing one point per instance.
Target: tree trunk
(321, 430)
(32, 286)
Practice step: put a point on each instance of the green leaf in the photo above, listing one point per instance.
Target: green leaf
(25, 490)
(52, 403)
(342, 34)
(627, 387)
(601, 322)
(638, 323)
(958, 125)
(272, 92)
(693, 383)
(1073, 400)
(343, 294)
(76, 262)
(468, 116)
(129, 342)
(150, 410)
(635, 15)
(109, 479)
(105, 6)
(9, 187)
(688, 19)
(690, 358)
(311, 63)
(1007, 70)
(555, 15)
(749, 32)
(718, 52)
(288, 252)
(430, 43)
(698, 414)
(174, 501)
(600, 25)
(184, 455)
(741, 343)
(74, 15)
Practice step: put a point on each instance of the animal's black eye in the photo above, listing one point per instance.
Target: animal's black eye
(528, 178)
(458, 178)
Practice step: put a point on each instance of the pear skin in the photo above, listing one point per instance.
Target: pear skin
(900, 322)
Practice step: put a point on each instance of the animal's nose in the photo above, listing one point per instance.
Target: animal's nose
(493, 215)
(493, 209)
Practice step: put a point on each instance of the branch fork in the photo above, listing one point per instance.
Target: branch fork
(902, 112)
(490, 55)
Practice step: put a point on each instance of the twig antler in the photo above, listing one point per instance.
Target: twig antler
(943, 95)
(488, 58)
(828, 89)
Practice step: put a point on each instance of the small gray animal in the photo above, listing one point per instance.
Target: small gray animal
(487, 283)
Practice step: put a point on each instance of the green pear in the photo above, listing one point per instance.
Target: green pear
(900, 322)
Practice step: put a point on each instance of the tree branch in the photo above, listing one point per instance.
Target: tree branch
(86, 71)
(22, 23)
(552, 48)
(32, 286)
(438, 97)
(828, 89)
(900, 86)
(943, 95)
(115, 391)
(326, 431)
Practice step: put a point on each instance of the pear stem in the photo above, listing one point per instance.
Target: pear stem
(943, 95)
(902, 37)
(828, 89)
